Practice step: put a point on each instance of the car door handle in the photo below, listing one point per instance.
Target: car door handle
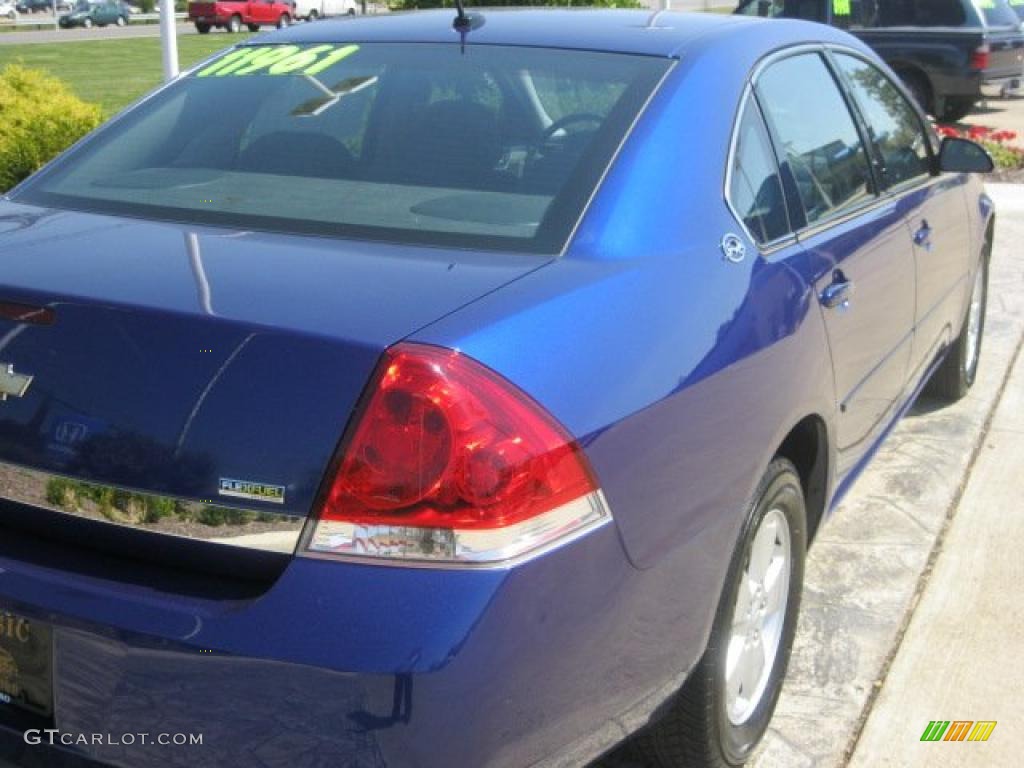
(923, 236)
(838, 292)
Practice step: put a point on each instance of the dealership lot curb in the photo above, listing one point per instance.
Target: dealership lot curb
(960, 659)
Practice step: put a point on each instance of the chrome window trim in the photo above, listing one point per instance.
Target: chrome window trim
(882, 197)
(772, 246)
(282, 539)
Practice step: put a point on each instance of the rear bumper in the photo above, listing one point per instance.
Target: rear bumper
(369, 665)
(212, 19)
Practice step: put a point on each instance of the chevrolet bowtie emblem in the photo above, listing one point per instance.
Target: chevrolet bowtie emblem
(11, 383)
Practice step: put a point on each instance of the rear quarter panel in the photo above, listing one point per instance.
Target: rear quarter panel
(681, 373)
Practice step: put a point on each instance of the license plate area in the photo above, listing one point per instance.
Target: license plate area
(26, 667)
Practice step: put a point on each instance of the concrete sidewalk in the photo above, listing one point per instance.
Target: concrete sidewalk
(962, 657)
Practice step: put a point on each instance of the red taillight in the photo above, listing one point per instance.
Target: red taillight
(444, 447)
(981, 57)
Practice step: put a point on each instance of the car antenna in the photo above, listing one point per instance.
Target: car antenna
(465, 22)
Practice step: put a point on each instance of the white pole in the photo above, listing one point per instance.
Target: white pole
(169, 39)
(56, 21)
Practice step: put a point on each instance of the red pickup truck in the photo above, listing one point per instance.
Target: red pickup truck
(232, 14)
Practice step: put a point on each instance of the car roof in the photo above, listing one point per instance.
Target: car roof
(652, 33)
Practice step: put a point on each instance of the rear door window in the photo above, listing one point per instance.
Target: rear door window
(817, 136)
(895, 128)
(755, 191)
(911, 13)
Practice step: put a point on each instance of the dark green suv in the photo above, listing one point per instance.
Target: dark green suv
(949, 53)
(86, 14)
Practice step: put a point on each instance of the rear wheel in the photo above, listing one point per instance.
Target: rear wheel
(722, 712)
(284, 21)
(202, 29)
(87, 23)
(957, 372)
(121, 21)
(235, 24)
(956, 108)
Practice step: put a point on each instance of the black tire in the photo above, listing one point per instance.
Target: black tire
(202, 29)
(284, 21)
(956, 108)
(956, 374)
(253, 27)
(313, 15)
(121, 21)
(234, 24)
(920, 89)
(87, 23)
(696, 730)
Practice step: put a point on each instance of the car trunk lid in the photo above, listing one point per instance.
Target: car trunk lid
(173, 361)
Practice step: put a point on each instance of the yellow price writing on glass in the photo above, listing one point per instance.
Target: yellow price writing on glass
(277, 60)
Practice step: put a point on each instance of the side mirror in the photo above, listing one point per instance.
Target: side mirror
(964, 156)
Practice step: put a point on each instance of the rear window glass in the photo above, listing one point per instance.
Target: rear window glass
(493, 147)
(910, 13)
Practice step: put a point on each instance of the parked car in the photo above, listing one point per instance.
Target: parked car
(34, 6)
(311, 10)
(949, 53)
(7, 10)
(232, 14)
(86, 14)
(379, 393)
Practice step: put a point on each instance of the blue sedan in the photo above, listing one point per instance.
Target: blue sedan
(461, 391)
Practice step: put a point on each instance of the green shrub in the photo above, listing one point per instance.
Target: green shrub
(39, 118)
(217, 516)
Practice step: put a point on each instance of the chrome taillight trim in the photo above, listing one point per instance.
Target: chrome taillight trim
(264, 530)
(456, 548)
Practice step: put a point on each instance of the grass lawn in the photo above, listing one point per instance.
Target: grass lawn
(111, 73)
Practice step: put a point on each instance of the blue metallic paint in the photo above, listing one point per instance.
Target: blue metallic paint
(680, 372)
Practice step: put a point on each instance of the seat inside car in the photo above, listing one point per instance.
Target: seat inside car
(297, 153)
(457, 128)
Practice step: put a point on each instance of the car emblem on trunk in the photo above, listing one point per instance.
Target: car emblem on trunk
(11, 383)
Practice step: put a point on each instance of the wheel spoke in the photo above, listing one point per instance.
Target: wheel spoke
(761, 550)
(741, 613)
(776, 587)
(749, 670)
